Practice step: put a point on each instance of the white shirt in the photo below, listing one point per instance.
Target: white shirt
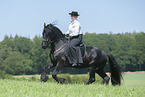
(74, 28)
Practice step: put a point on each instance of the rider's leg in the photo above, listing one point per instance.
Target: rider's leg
(67, 52)
(74, 42)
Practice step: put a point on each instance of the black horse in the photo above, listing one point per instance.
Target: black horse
(95, 58)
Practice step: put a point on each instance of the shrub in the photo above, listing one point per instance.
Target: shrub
(33, 78)
(5, 76)
(1, 75)
(8, 76)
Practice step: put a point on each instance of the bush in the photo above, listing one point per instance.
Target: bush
(33, 78)
(5, 76)
(1, 75)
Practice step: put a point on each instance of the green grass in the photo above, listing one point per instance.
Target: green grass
(133, 86)
(134, 80)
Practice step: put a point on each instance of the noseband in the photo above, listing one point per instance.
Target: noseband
(48, 41)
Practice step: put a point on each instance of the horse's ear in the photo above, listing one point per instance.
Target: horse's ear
(44, 25)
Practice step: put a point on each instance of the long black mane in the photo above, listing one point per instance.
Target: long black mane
(56, 32)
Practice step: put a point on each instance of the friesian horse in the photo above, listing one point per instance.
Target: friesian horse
(95, 59)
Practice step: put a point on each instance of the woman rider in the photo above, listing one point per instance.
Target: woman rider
(75, 34)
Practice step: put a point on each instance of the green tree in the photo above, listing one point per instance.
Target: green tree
(40, 56)
(16, 63)
(140, 48)
(4, 53)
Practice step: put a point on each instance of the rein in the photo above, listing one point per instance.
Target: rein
(59, 48)
(49, 41)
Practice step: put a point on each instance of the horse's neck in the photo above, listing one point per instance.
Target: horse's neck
(59, 39)
(58, 44)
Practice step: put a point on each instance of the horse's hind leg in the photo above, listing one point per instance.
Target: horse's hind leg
(92, 75)
(103, 75)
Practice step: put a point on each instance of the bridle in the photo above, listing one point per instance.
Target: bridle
(50, 42)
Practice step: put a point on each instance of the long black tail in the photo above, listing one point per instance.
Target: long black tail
(115, 70)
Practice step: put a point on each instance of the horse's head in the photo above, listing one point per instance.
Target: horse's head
(46, 35)
(50, 34)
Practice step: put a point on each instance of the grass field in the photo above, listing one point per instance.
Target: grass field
(133, 86)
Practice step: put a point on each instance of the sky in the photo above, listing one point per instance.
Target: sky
(26, 18)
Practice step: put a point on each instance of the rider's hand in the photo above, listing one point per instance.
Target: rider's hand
(67, 35)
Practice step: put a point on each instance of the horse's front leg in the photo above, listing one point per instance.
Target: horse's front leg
(56, 70)
(44, 76)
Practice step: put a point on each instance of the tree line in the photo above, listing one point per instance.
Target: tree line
(21, 55)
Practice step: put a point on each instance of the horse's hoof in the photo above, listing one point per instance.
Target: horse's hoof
(90, 81)
(106, 80)
(86, 83)
(62, 80)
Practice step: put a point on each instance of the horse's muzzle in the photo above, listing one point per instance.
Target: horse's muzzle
(44, 45)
